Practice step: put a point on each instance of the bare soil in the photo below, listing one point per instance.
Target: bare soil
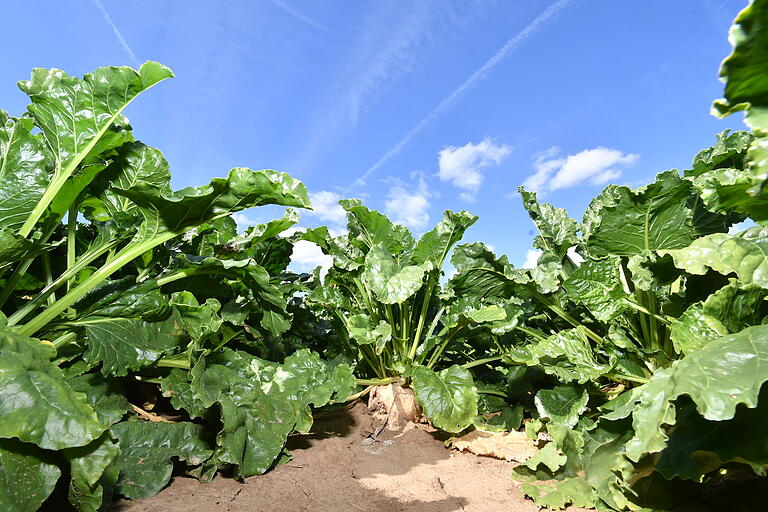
(339, 468)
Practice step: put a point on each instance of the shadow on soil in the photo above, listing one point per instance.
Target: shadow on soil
(332, 469)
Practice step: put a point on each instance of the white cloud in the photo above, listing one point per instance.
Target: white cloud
(408, 205)
(306, 256)
(513, 44)
(326, 208)
(461, 165)
(575, 257)
(531, 258)
(596, 166)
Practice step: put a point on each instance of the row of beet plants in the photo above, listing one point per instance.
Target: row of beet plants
(141, 332)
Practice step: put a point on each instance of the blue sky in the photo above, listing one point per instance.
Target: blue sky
(414, 106)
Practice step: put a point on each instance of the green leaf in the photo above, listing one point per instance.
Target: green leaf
(697, 446)
(198, 320)
(75, 115)
(24, 166)
(743, 71)
(737, 305)
(177, 387)
(557, 231)
(262, 402)
(466, 311)
(548, 456)
(106, 396)
(369, 227)
(364, 333)
(89, 472)
(135, 162)
(448, 397)
(433, 246)
(725, 179)
(28, 476)
(557, 495)
(42, 409)
(562, 405)
(146, 450)
(389, 279)
(624, 222)
(568, 355)
(723, 374)
(694, 329)
(744, 254)
(596, 285)
(745, 89)
(124, 344)
(483, 276)
(257, 295)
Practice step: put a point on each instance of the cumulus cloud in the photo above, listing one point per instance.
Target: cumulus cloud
(326, 208)
(461, 165)
(408, 205)
(595, 166)
(532, 258)
(306, 256)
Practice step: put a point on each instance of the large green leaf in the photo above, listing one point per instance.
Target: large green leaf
(147, 449)
(198, 320)
(134, 163)
(257, 295)
(745, 254)
(624, 222)
(24, 167)
(560, 494)
(390, 280)
(694, 329)
(124, 344)
(369, 227)
(483, 276)
(448, 397)
(728, 310)
(38, 406)
(723, 374)
(75, 116)
(723, 177)
(434, 245)
(27, 476)
(106, 396)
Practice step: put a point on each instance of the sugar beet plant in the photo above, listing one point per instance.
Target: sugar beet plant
(383, 293)
(115, 287)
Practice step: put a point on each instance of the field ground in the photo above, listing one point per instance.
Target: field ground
(334, 470)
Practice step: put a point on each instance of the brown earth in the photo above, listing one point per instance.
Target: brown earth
(338, 468)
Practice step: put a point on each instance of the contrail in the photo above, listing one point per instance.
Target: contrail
(119, 36)
(479, 75)
(288, 10)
